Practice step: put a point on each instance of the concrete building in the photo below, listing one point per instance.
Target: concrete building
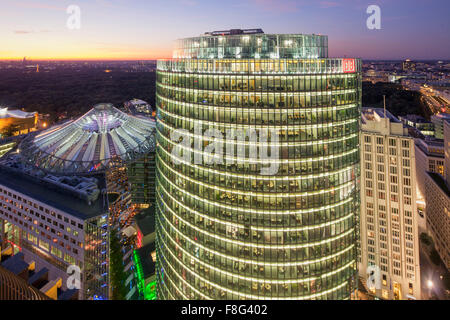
(145, 255)
(138, 107)
(57, 222)
(64, 188)
(20, 280)
(429, 158)
(388, 222)
(437, 196)
(438, 121)
(447, 151)
(420, 123)
(16, 122)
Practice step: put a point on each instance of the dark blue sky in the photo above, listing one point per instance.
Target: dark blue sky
(145, 29)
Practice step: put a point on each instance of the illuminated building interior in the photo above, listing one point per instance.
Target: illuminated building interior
(17, 121)
(224, 231)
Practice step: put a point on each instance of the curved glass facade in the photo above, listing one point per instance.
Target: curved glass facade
(260, 46)
(224, 231)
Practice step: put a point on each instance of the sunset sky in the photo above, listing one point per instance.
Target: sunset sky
(145, 29)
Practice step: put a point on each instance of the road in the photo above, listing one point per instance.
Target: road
(429, 271)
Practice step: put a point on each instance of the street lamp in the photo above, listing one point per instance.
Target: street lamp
(430, 286)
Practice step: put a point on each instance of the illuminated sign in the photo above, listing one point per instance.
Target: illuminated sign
(348, 65)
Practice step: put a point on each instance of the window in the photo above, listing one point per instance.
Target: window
(406, 163)
(405, 143)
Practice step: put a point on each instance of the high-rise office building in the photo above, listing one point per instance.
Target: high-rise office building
(389, 227)
(224, 229)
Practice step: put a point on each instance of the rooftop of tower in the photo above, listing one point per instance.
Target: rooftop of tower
(251, 44)
(234, 32)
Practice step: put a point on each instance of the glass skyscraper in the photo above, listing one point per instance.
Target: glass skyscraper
(226, 231)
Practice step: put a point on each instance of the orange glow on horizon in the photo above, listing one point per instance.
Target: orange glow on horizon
(85, 58)
(69, 51)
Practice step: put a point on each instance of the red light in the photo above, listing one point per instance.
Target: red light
(140, 237)
(348, 65)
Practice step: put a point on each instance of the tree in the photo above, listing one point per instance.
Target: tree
(447, 280)
(118, 275)
(435, 258)
(9, 130)
(426, 239)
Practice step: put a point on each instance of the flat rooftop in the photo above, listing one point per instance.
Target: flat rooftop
(437, 178)
(52, 195)
(428, 145)
(415, 118)
(146, 221)
(234, 32)
(376, 114)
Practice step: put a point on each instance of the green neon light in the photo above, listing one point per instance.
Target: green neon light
(149, 291)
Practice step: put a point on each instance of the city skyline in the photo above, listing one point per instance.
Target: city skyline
(234, 150)
(140, 30)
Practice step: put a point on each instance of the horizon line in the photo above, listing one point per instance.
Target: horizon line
(166, 58)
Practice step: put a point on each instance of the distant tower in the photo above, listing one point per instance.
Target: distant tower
(37, 68)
